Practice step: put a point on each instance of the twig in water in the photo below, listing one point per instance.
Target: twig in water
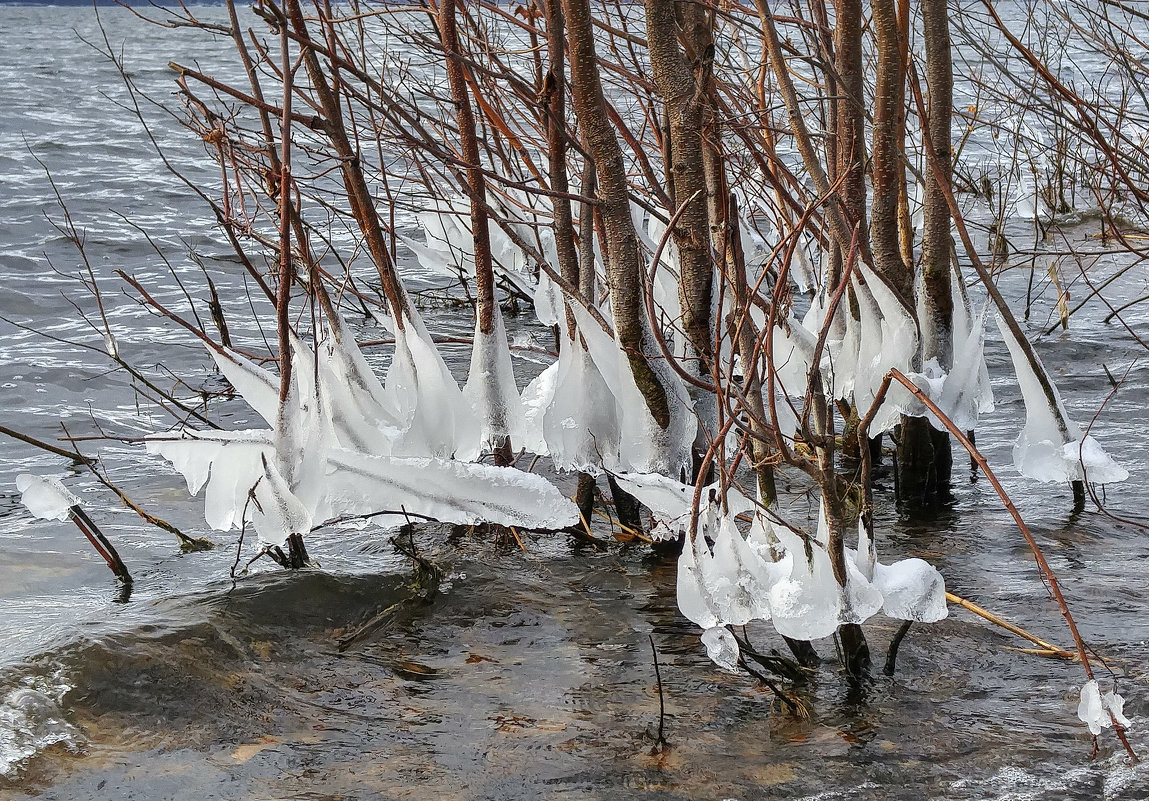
(1031, 541)
(1045, 648)
(101, 543)
(892, 654)
(74, 456)
(660, 744)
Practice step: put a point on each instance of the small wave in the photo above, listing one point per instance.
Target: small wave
(31, 720)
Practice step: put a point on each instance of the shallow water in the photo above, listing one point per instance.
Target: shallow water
(529, 673)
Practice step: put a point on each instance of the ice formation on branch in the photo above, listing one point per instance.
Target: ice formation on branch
(773, 573)
(608, 397)
(345, 444)
(46, 497)
(1046, 450)
(1094, 709)
(449, 247)
(491, 387)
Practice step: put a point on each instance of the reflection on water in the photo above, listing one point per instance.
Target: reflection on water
(529, 675)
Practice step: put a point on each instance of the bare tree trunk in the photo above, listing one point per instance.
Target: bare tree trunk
(889, 132)
(554, 94)
(745, 334)
(851, 116)
(624, 263)
(688, 185)
(924, 456)
(477, 191)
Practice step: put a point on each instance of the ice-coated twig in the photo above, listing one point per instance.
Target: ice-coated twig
(1038, 555)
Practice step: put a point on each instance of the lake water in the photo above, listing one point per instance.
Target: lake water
(529, 673)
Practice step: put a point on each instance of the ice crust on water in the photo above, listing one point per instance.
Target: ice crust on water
(31, 720)
(1094, 708)
(1044, 451)
(46, 497)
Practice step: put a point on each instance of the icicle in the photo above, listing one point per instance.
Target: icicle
(277, 513)
(695, 601)
(254, 384)
(805, 604)
(644, 446)
(536, 397)
(361, 416)
(580, 424)
(491, 387)
(439, 420)
(548, 299)
(1044, 451)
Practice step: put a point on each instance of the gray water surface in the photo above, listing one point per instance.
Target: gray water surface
(529, 674)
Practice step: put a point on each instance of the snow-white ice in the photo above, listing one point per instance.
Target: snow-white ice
(1050, 447)
(721, 647)
(46, 497)
(1094, 708)
(491, 387)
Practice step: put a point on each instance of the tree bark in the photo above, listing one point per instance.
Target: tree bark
(480, 230)
(554, 95)
(925, 459)
(624, 263)
(680, 97)
(354, 182)
(889, 132)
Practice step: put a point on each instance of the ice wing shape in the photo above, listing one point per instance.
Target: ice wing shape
(229, 463)
(446, 490)
(912, 589)
(721, 647)
(967, 393)
(548, 300)
(580, 423)
(255, 385)
(809, 603)
(438, 420)
(361, 415)
(276, 512)
(695, 600)
(536, 398)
